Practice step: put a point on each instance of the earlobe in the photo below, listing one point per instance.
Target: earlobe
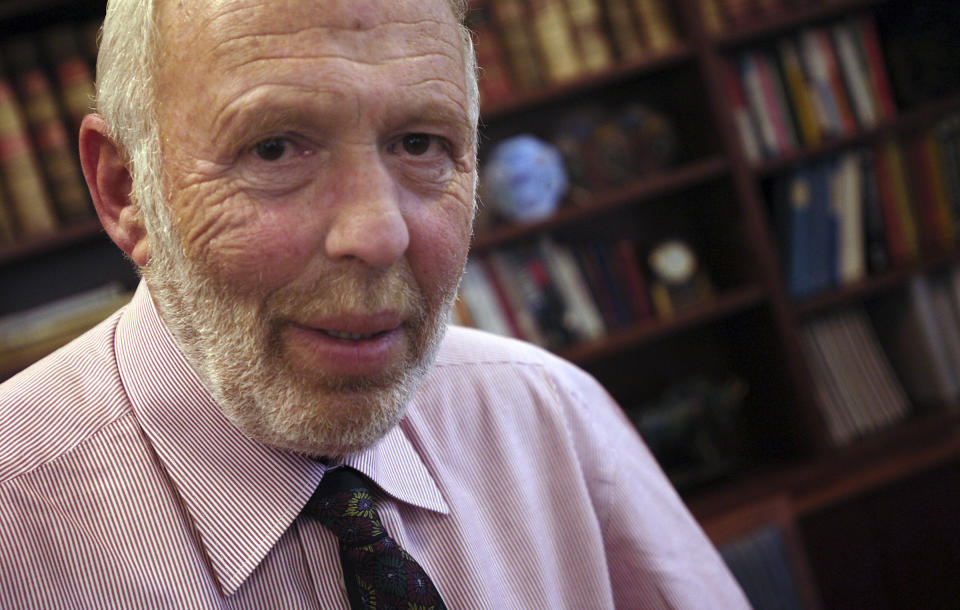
(110, 183)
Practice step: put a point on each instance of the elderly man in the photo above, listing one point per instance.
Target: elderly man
(280, 418)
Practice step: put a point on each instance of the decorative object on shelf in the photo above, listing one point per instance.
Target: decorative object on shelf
(677, 280)
(524, 178)
(693, 429)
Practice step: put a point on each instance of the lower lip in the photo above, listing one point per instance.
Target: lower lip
(345, 357)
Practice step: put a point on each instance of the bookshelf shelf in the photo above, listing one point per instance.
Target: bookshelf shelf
(870, 464)
(607, 201)
(552, 94)
(873, 285)
(907, 121)
(725, 305)
(710, 196)
(788, 19)
(66, 236)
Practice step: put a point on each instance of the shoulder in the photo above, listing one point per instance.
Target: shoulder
(58, 402)
(500, 359)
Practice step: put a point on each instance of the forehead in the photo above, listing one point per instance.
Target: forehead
(235, 39)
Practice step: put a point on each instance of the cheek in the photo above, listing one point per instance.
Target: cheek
(439, 242)
(260, 251)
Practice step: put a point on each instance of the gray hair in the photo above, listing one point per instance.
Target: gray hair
(126, 68)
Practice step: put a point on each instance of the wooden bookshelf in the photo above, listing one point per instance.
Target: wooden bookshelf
(712, 196)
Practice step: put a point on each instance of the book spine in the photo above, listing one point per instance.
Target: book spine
(495, 80)
(855, 74)
(46, 124)
(623, 29)
(740, 113)
(73, 73)
(879, 80)
(587, 22)
(524, 60)
(20, 169)
(799, 92)
(656, 25)
(554, 38)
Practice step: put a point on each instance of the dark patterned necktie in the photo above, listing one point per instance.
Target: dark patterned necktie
(378, 573)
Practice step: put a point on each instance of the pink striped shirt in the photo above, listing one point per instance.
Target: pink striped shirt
(513, 479)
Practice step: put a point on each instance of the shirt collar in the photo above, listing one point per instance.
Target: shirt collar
(241, 495)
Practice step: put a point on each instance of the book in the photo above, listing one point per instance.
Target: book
(775, 97)
(877, 72)
(54, 146)
(947, 141)
(902, 197)
(512, 22)
(898, 221)
(629, 273)
(72, 71)
(7, 229)
(928, 195)
(592, 42)
(740, 113)
(478, 293)
(710, 16)
(847, 198)
(756, 101)
(855, 74)
(906, 322)
(656, 25)
(27, 336)
(20, 168)
(623, 29)
(760, 561)
(793, 209)
(513, 290)
(798, 90)
(829, 99)
(495, 80)
(553, 37)
(856, 384)
(584, 317)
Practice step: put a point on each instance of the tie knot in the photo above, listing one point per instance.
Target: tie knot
(344, 505)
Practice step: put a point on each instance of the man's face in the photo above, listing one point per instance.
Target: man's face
(319, 169)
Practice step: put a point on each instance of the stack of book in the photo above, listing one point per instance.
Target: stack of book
(555, 294)
(858, 389)
(826, 81)
(46, 87)
(868, 210)
(525, 44)
(919, 327)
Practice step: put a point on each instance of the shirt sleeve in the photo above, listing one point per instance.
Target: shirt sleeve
(656, 551)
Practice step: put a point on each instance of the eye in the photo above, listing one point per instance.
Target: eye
(271, 149)
(416, 143)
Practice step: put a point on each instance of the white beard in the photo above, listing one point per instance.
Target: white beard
(232, 337)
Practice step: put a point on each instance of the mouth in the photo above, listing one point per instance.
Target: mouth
(348, 336)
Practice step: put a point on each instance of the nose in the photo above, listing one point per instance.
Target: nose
(368, 224)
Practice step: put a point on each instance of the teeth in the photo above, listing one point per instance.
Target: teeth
(351, 336)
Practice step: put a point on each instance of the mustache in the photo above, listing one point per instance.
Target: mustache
(351, 287)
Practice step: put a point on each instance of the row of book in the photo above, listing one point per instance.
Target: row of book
(868, 210)
(719, 16)
(46, 88)
(873, 365)
(26, 336)
(555, 294)
(525, 44)
(823, 82)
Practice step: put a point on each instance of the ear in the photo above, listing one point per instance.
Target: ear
(110, 183)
